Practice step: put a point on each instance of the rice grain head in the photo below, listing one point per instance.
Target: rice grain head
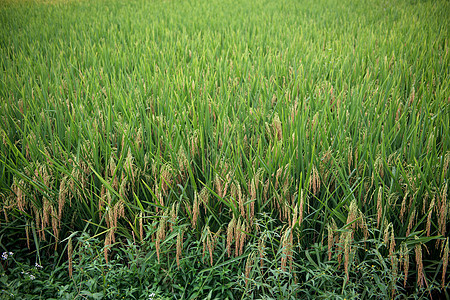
(330, 229)
(160, 235)
(445, 254)
(27, 234)
(347, 250)
(352, 214)
(403, 206)
(392, 245)
(419, 264)
(218, 185)
(106, 246)
(379, 205)
(405, 255)
(237, 237)
(196, 210)
(248, 267)
(141, 226)
(443, 210)
(429, 215)
(240, 200)
(69, 256)
(394, 266)
(411, 222)
(314, 180)
(445, 165)
(230, 235)
(242, 237)
(179, 246)
(295, 217)
(204, 198)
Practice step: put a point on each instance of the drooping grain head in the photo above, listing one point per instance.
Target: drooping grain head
(411, 222)
(138, 140)
(194, 143)
(195, 210)
(386, 234)
(445, 255)
(347, 250)
(69, 256)
(340, 246)
(55, 225)
(294, 109)
(394, 268)
(210, 245)
(314, 180)
(129, 166)
(295, 216)
(419, 264)
(46, 211)
(443, 210)
(276, 124)
(141, 226)
(379, 204)
(218, 185)
(123, 188)
(252, 189)
(352, 214)
(106, 246)
(412, 96)
(404, 255)
(377, 169)
(242, 236)
(230, 235)
(403, 206)
(248, 267)
(166, 178)
(240, 200)
(173, 215)
(183, 163)
(392, 244)
(237, 236)
(111, 166)
(445, 164)
(274, 100)
(330, 236)
(429, 215)
(363, 225)
(301, 208)
(179, 246)
(160, 235)
(266, 189)
(350, 158)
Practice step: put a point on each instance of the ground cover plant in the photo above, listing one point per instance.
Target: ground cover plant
(224, 149)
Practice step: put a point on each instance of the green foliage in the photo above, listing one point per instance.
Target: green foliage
(135, 273)
(318, 127)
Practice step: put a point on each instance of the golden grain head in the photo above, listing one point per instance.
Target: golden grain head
(230, 234)
(179, 246)
(411, 222)
(195, 210)
(69, 255)
(445, 256)
(237, 236)
(379, 204)
(419, 264)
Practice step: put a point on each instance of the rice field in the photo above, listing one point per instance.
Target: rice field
(302, 147)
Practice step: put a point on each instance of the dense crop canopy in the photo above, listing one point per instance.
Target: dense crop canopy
(182, 123)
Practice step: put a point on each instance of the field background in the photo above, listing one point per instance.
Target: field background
(266, 149)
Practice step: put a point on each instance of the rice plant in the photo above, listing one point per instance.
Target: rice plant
(254, 132)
